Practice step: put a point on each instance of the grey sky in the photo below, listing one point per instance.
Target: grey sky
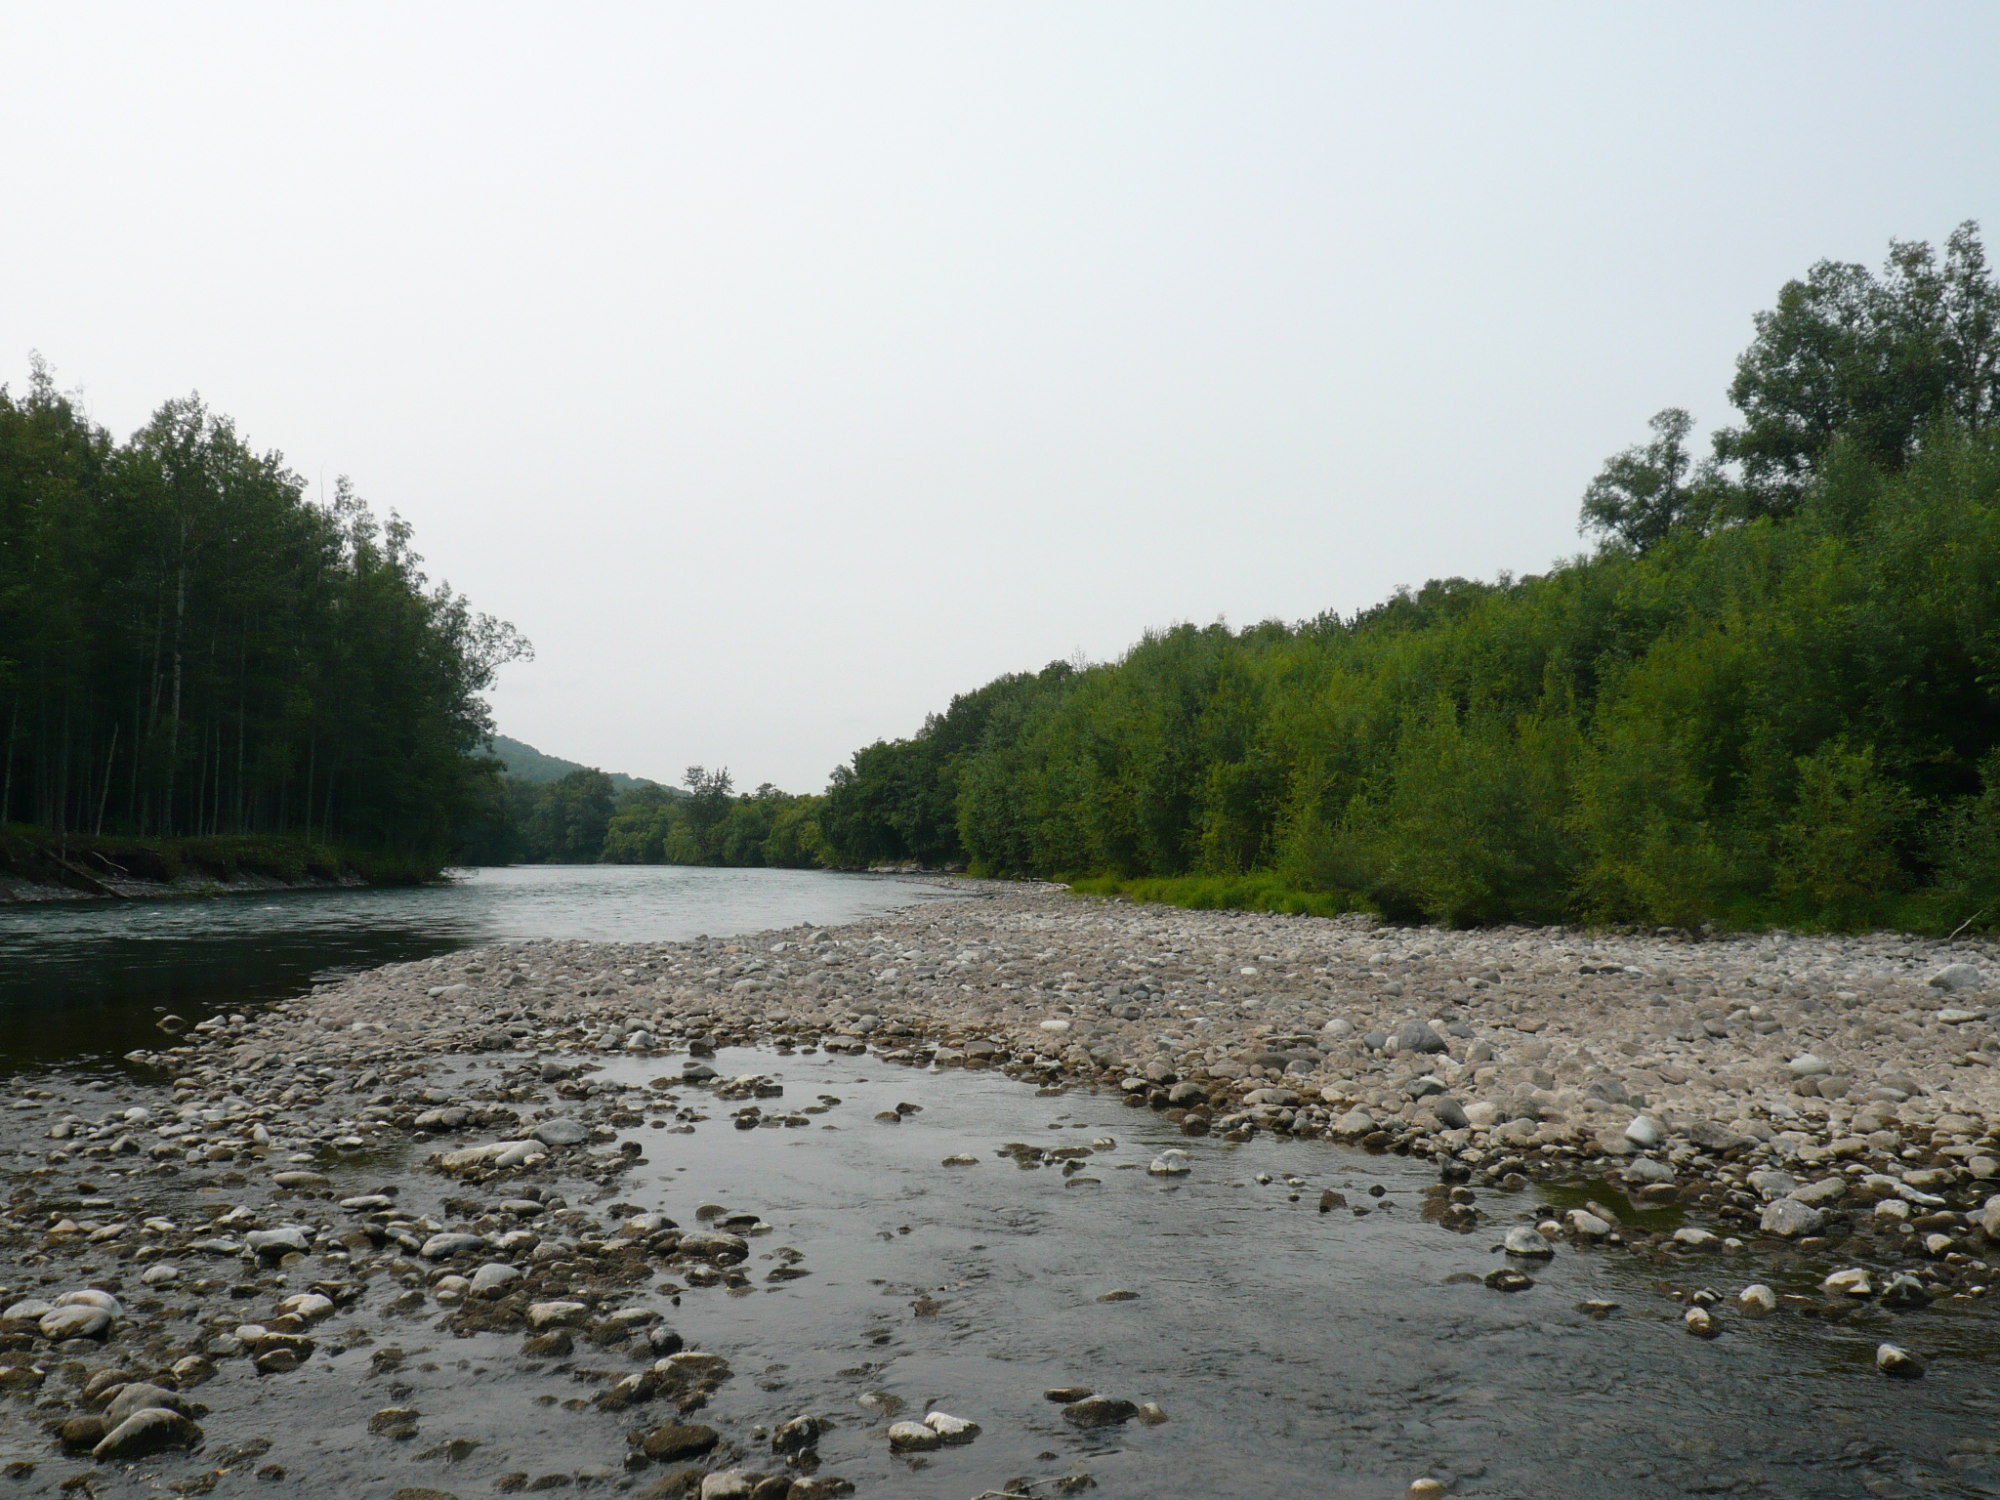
(783, 370)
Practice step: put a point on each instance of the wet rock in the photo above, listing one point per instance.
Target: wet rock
(273, 1245)
(1898, 1363)
(1586, 1225)
(492, 1279)
(1172, 1162)
(398, 1422)
(76, 1322)
(1702, 1323)
(1905, 1291)
(1524, 1241)
(714, 1245)
(1067, 1394)
(1757, 1300)
(80, 1434)
(1852, 1282)
(1099, 1411)
(671, 1441)
(799, 1435)
(451, 1245)
(561, 1132)
(136, 1396)
(542, 1315)
(913, 1437)
(152, 1429)
(1507, 1279)
(951, 1429)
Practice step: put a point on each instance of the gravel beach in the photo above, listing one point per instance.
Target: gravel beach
(1831, 1098)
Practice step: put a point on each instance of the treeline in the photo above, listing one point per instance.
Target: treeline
(1771, 695)
(191, 648)
(581, 818)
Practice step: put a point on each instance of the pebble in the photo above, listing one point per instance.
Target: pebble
(1522, 1240)
(493, 1278)
(951, 1429)
(1099, 1411)
(151, 1429)
(556, 1314)
(1757, 1299)
(561, 1132)
(1897, 1362)
(914, 1437)
(1789, 1218)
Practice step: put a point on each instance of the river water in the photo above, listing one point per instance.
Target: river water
(1296, 1353)
(84, 982)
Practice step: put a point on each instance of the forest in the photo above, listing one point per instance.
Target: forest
(1768, 695)
(193, 649)
(585, 817)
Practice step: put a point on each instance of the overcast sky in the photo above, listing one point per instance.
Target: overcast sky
(781, 371)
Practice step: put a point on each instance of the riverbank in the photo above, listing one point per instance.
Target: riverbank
(1797, 1089)
(39, 865)
(460, 1147)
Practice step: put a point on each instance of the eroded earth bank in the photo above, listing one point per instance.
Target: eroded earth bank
(499, 1221)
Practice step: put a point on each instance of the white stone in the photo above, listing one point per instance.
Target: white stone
(1954, 977)
(556, 1314)
(951, 1429)
(1789, 1218)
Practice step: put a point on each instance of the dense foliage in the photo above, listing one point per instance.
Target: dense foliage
(581, 818)
(1771, 695)
(190, 648)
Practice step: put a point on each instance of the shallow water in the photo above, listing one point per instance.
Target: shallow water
(84, 982)
(1296, 1354)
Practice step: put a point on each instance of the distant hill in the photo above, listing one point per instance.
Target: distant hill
(526, 763)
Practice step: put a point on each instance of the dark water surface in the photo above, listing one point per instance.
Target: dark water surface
(84, 982)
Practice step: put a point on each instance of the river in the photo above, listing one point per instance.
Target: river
(1295, 1352)
(84, 982)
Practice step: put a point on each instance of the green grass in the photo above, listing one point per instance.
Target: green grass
(1219, 893)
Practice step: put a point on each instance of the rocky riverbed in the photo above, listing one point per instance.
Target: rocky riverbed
(439, 1178)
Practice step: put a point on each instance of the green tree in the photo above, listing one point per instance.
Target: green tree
(1872, 360)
